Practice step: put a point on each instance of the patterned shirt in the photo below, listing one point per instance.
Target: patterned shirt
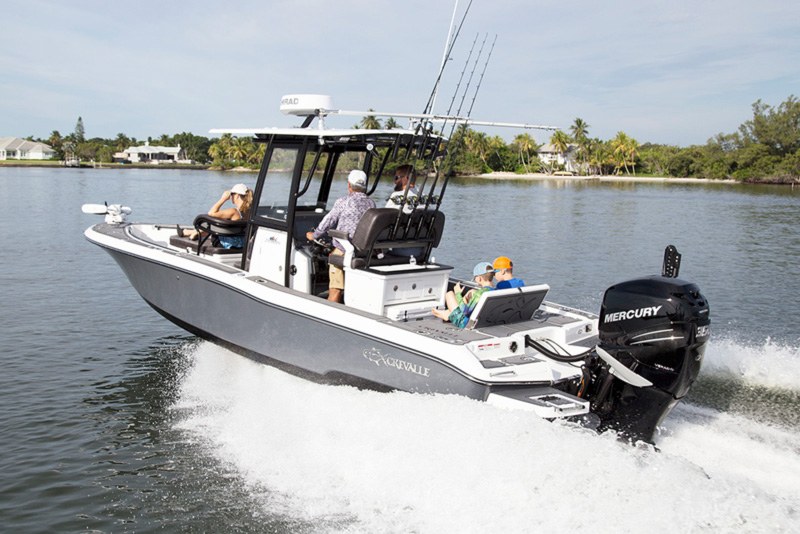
(345, 214)
(460, 316)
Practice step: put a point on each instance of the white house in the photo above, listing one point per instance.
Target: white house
(152, 154)
(16, 148)
(548, 155)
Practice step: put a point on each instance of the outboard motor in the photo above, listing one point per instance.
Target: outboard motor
(653, 333)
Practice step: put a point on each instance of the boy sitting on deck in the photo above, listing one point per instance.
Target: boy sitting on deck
(459, 308)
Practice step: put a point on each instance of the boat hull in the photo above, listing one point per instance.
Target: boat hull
(296, 342)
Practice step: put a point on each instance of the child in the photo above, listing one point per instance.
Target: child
(460, 308)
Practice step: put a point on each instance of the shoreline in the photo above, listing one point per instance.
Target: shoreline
(596, 177)
(485, 176)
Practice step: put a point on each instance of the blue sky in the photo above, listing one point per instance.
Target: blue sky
(675, 72)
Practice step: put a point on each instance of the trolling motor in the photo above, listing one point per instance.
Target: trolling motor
(653, 334)
(115, 213)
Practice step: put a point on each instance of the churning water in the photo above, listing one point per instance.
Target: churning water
(115, 420)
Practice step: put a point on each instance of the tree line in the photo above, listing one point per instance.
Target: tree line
(764, 148)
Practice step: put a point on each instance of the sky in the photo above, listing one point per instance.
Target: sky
(675, 72)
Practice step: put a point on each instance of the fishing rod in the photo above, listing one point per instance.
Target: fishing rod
(445, 56)
(469, 112)
(432, 98)
(431, 196)
(472, 104)
(448, 50)
(460, 79)
(421, 198)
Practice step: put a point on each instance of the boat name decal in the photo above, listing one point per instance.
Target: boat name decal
(648, 311)
(377, 357)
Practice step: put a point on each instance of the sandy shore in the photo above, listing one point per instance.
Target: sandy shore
(539, 176)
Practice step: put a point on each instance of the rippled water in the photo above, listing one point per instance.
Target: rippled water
(115, 420)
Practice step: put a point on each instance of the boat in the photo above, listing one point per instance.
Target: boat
(622, 369)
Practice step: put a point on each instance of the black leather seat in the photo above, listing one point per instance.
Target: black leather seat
(374, 234)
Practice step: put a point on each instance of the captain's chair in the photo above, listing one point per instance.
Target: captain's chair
(374, 234)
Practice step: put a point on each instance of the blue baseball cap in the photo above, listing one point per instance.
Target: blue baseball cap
(482, 268)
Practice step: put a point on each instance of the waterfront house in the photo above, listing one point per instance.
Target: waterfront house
(16, 148)
(554, 160)
(152, 154)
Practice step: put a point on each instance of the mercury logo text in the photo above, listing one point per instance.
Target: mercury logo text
(648, 311)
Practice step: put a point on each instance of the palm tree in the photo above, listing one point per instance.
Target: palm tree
(560, 142)
(598, 155)
(370, 122)
(525, 144)
(580, 133)
(257, 152)
(55, 139)
(633, 150)
(480, 144)
(391, 123)
(621, 147)
(239, 149)
(122, 142)
(217, 151)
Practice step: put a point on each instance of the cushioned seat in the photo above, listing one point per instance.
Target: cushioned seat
(374, 234)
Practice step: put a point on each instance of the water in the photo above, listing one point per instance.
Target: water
(114, 420)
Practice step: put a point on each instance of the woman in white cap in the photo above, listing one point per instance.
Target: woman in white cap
(242, 199)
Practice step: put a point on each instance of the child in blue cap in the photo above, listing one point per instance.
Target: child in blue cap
(459, 307)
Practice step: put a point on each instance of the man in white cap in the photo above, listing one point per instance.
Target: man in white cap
(345, 214)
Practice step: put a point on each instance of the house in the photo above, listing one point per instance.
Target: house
(152, 154)
(16, 148)
(552, 159)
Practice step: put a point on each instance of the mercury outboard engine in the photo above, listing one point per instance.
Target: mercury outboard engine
(653, 332)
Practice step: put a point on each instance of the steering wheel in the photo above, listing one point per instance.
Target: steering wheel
(322, 246)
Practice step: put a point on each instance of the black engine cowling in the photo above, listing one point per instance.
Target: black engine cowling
(658, 328)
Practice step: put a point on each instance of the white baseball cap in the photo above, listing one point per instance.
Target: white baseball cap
(357, 177)
(239, 189)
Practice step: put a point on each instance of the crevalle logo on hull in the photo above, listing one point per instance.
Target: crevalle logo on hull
(377, 357)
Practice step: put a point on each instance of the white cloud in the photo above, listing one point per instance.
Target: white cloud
(676, 72)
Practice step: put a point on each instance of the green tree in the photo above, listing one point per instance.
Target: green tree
(560, 142)
(370, 122)
(239, 149)
(525, 144)
(121, 142)
(80, 132)
(777, 129)
(580, 134)
(56, 142)
(620, 147)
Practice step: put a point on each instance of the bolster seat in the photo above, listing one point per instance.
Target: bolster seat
(374, 234)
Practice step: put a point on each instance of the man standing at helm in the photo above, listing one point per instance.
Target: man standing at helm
(345, 214)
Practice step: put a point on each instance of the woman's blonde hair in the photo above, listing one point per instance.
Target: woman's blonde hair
(247, 201)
